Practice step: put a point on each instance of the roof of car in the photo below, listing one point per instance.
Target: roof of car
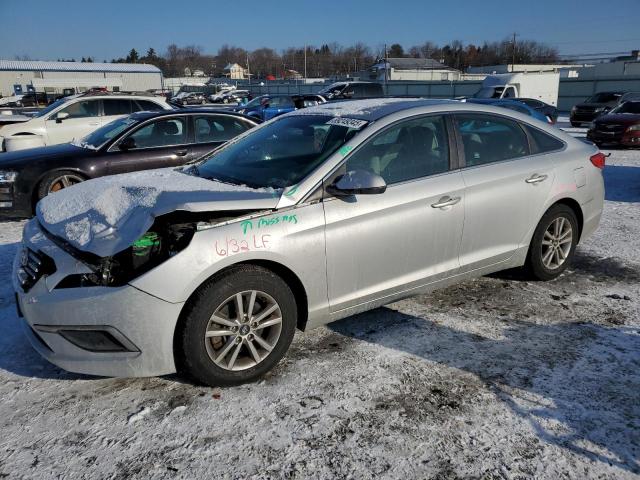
(197, 110)
(370, 109)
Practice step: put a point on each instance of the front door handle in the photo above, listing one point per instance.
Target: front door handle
(445, 201)
(181, 153)
(535, 178)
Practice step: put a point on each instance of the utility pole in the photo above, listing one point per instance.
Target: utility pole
(305, 62)
(513, 51)
(386, 67)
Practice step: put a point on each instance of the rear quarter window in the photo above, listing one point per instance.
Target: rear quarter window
(543, 142)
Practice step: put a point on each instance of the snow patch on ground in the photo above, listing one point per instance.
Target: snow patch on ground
(494, 378)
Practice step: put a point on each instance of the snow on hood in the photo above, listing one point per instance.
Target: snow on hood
(106, 215)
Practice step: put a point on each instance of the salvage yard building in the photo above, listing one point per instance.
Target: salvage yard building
(21, 76)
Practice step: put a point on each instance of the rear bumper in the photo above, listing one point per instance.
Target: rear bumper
(142, 324)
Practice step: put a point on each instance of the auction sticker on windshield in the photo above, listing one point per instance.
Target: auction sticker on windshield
(347, 122)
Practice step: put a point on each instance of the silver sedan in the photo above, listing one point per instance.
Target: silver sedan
(314, 216)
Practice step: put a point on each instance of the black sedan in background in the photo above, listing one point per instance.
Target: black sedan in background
(140, 141)
(544, 108)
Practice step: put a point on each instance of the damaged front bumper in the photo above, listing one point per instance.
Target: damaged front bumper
(109, 331)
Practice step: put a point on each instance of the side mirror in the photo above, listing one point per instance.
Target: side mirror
(357, 182)
(61, 116)
(127, 144)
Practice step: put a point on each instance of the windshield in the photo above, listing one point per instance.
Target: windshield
(489, 92)
(50, 108)
(255, 102)
(604, 97)
(627, 107)
(278, 155)
(102, 135)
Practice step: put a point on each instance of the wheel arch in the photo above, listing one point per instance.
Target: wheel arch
(577, 209)
(284, 272)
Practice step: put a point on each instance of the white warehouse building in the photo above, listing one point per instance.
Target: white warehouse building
(21, 76)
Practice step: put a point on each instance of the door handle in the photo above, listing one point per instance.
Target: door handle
(181, 153)
(445, 201)
(535, 178)
(94, 123)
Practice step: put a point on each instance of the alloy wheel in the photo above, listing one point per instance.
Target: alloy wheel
(556, 243)
(64, 181)
(243, 330)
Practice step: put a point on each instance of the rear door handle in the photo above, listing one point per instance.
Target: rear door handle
(446, 201)
(181, 153)
(535, 178)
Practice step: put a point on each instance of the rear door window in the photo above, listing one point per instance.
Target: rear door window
(218, 128)
(117, 106)
(488, 139)
(147, 106)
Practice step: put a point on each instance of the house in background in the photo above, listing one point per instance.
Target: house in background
(235, 71)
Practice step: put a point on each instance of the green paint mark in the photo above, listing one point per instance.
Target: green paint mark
(246, 225)
(345, 149)
(145, 243)
(267, 222)
(292, 191)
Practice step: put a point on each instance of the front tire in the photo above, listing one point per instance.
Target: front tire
(237, 327)
(56, 181)
(553, 244)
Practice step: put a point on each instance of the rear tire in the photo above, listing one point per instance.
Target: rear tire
(553, 244)
(221, 343)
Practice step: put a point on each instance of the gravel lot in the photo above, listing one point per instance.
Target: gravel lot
(494, 378)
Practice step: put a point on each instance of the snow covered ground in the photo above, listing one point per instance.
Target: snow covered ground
(494, 378)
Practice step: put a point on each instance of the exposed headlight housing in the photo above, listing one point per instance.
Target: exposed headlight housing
(8, 176)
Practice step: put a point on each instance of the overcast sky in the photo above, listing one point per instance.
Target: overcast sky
(51, 29)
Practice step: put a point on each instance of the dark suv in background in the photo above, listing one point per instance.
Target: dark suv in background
(344, 90)
(599, 104)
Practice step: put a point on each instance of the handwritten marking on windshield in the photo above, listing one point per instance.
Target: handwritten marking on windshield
(292, 191)
(231, 246)
(345, 149)
(267, 222)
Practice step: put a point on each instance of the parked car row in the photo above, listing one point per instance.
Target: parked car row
(74, 117)
(209, 268)
(621, 126)
(267, 107)
(141, 141)
(599, 104)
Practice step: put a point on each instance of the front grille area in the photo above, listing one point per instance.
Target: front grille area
(6, 195)
(613, 129)
(33, 265)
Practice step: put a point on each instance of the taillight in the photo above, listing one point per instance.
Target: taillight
(598, 160)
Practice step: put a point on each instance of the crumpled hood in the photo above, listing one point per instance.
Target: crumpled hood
(106, 215)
